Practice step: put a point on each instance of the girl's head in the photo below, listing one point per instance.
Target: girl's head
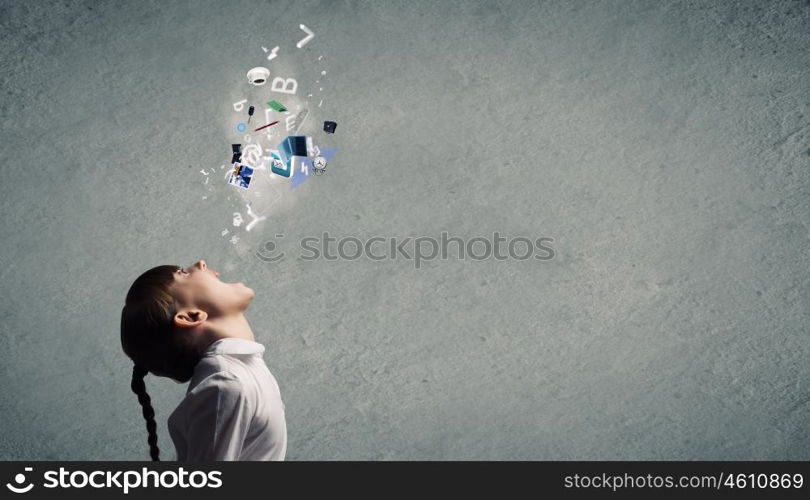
(166, 325)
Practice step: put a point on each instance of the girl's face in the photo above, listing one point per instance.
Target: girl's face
(199, 286)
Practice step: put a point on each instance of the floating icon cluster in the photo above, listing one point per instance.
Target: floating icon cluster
(295, 157)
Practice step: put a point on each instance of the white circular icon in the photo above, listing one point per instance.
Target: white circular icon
(252, 154)
(319, 163)
(258, 75)
(19, 479)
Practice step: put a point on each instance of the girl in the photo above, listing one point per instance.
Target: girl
(187, 325)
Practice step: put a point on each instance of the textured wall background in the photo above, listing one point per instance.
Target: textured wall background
(665, 145)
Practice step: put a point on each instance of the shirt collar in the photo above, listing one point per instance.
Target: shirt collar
(233, 345)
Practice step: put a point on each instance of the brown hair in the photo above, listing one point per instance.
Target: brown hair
(149, 338)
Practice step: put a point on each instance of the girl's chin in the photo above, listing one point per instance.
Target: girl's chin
(247, 288)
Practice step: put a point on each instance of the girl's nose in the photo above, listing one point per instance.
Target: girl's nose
(201, 264)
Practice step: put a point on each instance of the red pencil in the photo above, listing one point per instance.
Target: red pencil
(265, 126)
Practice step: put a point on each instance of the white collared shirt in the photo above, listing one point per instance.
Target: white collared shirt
(232, 409)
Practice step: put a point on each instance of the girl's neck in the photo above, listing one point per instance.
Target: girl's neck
(230, 326)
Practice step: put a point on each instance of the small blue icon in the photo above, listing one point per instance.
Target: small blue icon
(241, 176)
(279, 166)
(241, 127)
(293, 145)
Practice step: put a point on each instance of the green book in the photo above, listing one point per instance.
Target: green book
(277, 106)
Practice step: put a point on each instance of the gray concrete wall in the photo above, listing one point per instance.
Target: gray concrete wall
(664, 145)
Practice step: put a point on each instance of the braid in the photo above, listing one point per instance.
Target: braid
(139, 388)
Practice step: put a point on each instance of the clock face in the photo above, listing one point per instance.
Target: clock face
(319, 162)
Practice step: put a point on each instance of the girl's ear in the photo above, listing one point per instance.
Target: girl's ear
(189, 318)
